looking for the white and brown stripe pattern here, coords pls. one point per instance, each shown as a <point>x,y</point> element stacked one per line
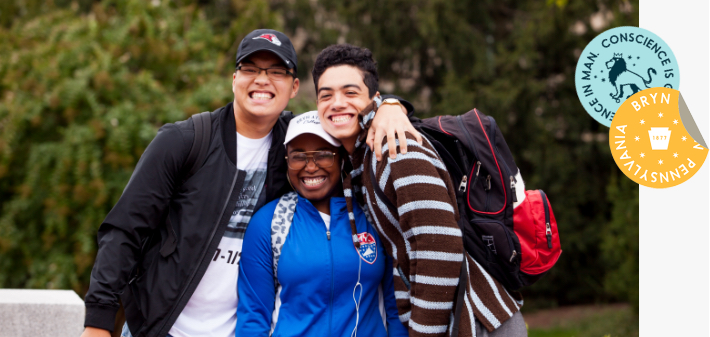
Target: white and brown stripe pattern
<point>425,241</point>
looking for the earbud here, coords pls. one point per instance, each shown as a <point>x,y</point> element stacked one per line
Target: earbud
<point>357,301</point>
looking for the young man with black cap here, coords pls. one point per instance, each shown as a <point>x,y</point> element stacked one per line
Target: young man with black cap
<point>191,288</point>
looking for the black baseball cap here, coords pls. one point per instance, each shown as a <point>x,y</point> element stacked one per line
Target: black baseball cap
<point>269,40</point>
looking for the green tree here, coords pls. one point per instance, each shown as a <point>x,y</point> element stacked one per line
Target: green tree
<point>81,97</point>
<point>620,245</point>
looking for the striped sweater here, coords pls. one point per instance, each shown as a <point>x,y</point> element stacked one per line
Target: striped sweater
<point>423,237</point>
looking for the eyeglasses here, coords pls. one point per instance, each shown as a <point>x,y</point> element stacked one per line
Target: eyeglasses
<point>276,74</point>
<point>298,160</point>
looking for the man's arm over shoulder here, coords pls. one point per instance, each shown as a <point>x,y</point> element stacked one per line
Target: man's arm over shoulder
<point>388,121</point>
<point>140,210</point>
<point>419,186</point>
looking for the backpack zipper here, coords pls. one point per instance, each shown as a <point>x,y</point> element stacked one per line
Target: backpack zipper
<point>488,192</point>
<point>462,186</point>
<point>478,170</point>
<point>464,180</point>
<point>512,256</point>
<point>548,228</point>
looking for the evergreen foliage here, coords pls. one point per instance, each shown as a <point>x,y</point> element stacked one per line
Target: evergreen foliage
<point>85,85</point>
<point>82,96</point>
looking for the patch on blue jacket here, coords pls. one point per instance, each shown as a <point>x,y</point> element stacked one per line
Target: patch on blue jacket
<point>368,247</point>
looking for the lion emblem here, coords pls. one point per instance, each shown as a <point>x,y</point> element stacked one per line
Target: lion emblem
<point>620,76</point>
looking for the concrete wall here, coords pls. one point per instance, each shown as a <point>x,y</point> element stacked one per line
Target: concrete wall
<point>29,312</point>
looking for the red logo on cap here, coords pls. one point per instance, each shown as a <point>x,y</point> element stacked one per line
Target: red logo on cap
<point>269,37</point>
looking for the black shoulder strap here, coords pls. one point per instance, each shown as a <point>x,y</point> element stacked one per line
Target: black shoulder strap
<point>286,115</point>
<point>378,190</point>
<point>460,294</point>
<point>198,153</point>
<point>200,144</point>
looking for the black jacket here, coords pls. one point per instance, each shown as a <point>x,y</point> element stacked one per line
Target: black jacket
<point>154,289</point>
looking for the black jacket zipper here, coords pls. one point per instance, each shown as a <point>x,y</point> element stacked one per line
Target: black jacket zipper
<point>202,255</point>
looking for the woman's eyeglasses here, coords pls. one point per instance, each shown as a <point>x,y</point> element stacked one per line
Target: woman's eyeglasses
<point>299,160</point>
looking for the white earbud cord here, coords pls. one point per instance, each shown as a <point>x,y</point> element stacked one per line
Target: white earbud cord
<point>357,302</point>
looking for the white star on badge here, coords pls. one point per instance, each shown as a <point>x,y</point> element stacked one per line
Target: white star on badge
<point>675,155</point>
<point>643,122</point>
<point>637,138</point>
<point>683,138</point>
<point>660,161</point>
<point>675,122</point>
<point>642,155</point>
<point>660,114</point>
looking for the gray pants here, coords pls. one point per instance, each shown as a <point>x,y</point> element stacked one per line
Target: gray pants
<point>514,327</point>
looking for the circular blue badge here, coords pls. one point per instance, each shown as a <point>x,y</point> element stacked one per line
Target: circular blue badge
<point>619,63</point>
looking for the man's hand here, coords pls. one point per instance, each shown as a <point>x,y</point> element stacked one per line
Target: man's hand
<point>389,120</point>
<point>95,332</point>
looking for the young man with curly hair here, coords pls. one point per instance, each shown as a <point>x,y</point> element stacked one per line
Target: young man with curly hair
<point>421,234</point>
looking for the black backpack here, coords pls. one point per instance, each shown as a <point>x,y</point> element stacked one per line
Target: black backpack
<point>484,174</point>
<point>482,168</point>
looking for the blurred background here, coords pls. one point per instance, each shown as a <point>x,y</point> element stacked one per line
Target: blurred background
<point>85,85</point>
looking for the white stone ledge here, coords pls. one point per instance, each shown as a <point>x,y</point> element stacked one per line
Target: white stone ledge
<point>30,312</point>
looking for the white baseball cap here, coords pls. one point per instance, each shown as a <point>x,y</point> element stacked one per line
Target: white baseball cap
<point>308,122</point>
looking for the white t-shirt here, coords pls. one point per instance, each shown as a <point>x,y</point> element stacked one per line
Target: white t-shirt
<point>212,309</point>
<point>326,219</point>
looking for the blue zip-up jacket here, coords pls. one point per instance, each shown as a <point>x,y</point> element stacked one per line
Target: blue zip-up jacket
<point>317,277</point>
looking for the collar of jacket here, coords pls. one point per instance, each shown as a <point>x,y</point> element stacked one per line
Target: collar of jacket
<point>337,205</point>
<point>229,132</point>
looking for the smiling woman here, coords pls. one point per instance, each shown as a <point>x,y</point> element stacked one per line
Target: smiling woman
<point>312,171</point>
<point>321,285</point>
